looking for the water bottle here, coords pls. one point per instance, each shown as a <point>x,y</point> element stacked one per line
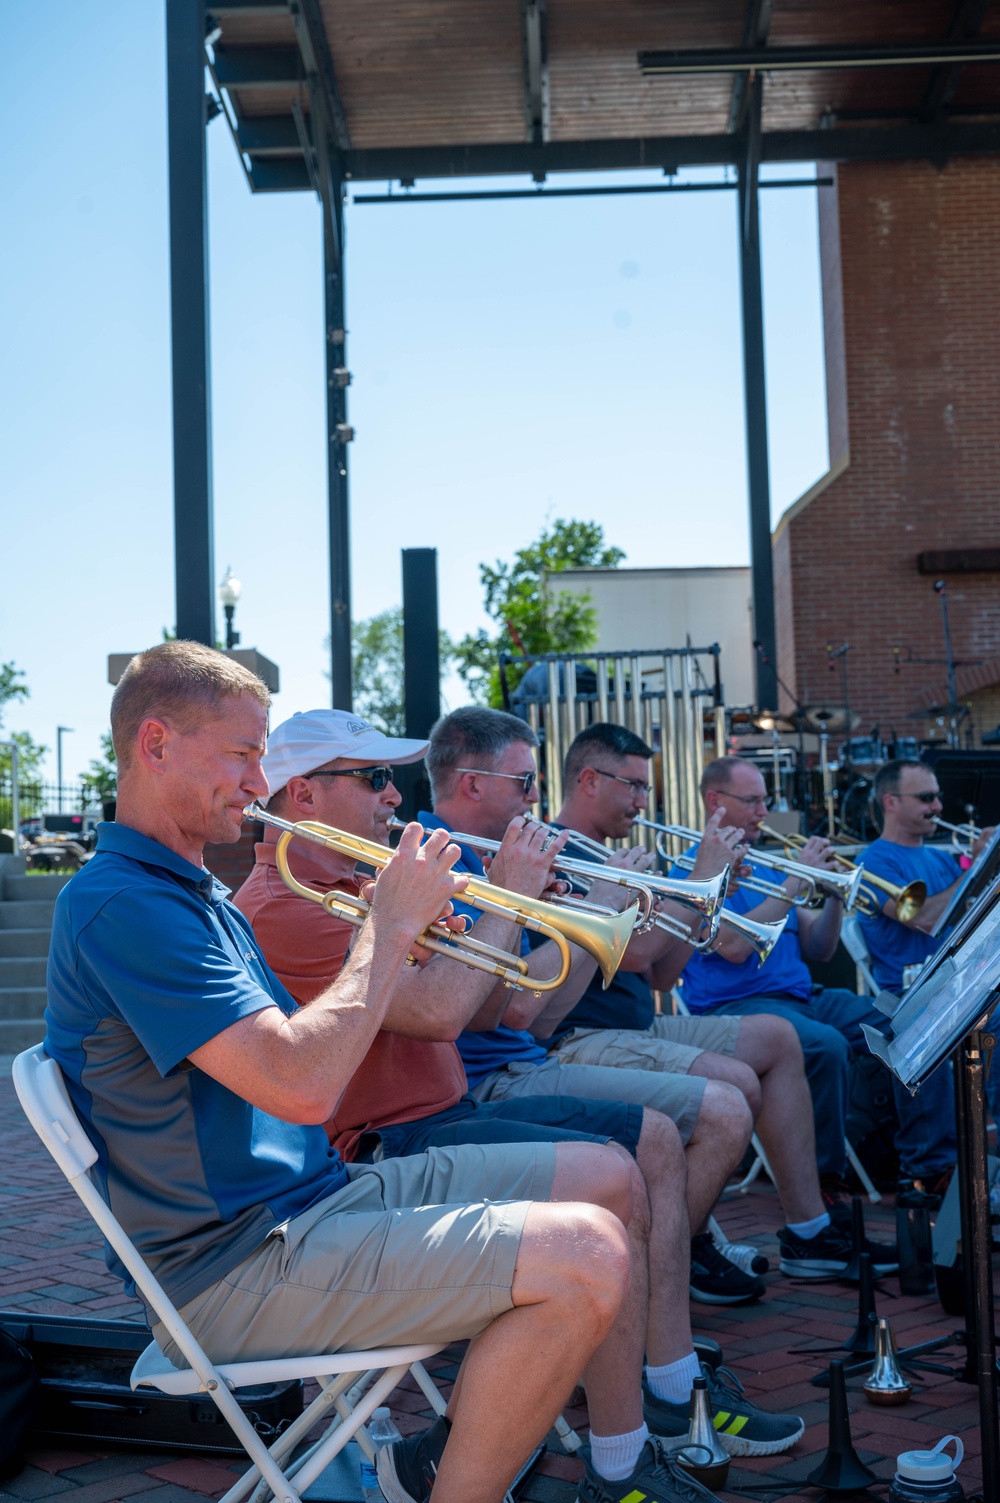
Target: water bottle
<point>750,1259</point>
<point>381,1432</point>
<point>913,1234</point>
<point>928,1476</point>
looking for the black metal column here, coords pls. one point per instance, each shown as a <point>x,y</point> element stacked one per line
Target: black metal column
<point>338,437</point>
<point>755,405</point>
<point>421,669</point>
<point>187,119</point>
<point>976,1245</point>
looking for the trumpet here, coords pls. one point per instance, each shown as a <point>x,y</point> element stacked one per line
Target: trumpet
<point>963,837</point>
<point>762,937</point>
<point>908,900</point>
<point>605,938</point>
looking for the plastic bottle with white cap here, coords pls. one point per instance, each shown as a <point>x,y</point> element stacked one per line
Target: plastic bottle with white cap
<point>928,1476</point>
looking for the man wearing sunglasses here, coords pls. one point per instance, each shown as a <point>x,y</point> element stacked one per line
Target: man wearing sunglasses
<point>910,800</point>
<point>827,1019</point>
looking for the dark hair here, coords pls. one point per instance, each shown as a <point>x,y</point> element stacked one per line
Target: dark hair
<point>182,683</point>
<point>890,776</point>
<point>719,774</point>
<point>467,736</point>
<point>602,740</point>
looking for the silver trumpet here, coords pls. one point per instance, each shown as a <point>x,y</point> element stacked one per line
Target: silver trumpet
<point>762,937</point>
<point>704,897</point>
<point>819,883</point>
<point>885,1383</point>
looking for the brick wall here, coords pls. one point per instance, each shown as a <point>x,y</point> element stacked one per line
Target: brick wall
<point>232,864</point>
<point>911,287</point>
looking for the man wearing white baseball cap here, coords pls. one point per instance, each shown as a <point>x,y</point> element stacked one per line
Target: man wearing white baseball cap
<point>313,738</point>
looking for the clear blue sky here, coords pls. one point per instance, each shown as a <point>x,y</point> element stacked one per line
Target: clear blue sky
<point>513,363</point>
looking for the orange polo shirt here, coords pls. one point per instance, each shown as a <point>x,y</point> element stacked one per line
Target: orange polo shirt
<point>400,1079</point>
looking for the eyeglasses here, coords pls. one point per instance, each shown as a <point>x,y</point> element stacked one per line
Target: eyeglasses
<point>378,777</point>
<point>636,784</point>
<point>750,799</point>
<point>931,796</point>
<point>526,779</point>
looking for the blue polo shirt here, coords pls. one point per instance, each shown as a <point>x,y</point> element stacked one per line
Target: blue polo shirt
<point>709,980</point>
<point>893,945</point>
<point>628,1001</point>
<point>482,1053</point>
<point>148,961</point>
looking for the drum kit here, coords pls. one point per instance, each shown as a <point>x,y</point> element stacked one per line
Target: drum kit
<point>834,788</point>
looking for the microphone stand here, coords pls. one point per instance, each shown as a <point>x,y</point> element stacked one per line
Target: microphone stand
<point>801,789</point>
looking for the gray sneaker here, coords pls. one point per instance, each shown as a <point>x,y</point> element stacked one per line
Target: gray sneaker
<point>656,1479</point>
<point>742,1428</point>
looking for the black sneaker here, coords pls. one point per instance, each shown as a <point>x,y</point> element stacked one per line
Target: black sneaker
<point>407,1468</point>
<point>716,1281</point>
<point>884,1255</point>
<point>656,1479</point>
<point>821,1257</point>
<point>742,1428</point>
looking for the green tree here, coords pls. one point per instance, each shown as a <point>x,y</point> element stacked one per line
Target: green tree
<point>29,751</point>
<point>377,669</point>
<point>101,777</point>
<point>530,614</point>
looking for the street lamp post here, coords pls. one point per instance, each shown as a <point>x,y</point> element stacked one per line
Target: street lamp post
<point>61,731</point>
<point>230,591</point>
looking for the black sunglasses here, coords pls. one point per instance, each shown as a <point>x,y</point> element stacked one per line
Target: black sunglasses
<point>378,777</point>
<point>928,797</point>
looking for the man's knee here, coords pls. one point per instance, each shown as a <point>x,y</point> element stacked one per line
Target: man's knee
<point>766,1040</point>
<point>599,1174</point>
<point>576,1255</point>
<point>660,1153</point>
<point>724,1119</point>
<point>732,1072</point>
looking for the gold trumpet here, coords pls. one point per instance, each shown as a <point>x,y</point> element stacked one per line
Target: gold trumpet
<point>908,900</point>
<point>605,938</point>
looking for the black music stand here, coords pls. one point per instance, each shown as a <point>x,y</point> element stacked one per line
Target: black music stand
<point>945,1012</point>
<point>983,871</point>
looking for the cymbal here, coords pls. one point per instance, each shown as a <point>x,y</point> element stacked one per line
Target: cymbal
<point>832,718</point>
<point>765,720</point>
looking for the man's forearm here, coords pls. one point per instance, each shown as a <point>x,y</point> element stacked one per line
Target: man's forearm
<point>436,1001</point>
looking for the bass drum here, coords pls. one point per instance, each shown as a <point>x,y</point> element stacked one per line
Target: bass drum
<point>857,816</point>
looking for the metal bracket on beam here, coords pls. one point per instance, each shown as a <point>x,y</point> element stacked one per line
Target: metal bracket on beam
<point>535,53</point>
<point>799,59</point>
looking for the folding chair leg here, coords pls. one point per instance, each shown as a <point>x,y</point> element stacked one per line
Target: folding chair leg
<point>862,1173</point>
<point>289,1439</point>
<point>428,1387</point>
<point>759,1163</point>
<point>568,1437</point>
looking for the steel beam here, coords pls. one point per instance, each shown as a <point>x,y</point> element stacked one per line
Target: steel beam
<point>187,118</point>
<point>338,436</point>
<point>756,23</point>
<point>755,408</point>
<point>222,8</point>
<point>535,55</point>
<point>966,21</point>
<point>310,33</point>
<point>268,135</point>
<point>421,641</point>
<point>280,174</point>
<point>798,59</point>
<point>258,67</point>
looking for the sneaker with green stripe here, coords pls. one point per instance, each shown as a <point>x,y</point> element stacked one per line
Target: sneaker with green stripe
<point>656,1479</point>
<point>743,1429</point>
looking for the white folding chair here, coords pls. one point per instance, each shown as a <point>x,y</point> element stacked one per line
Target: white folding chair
<point>42,1093</point>
<point>856,946</point>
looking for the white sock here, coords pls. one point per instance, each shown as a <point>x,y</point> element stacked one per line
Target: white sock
<point>614,1456</point>
<point>807,1230</point>
<point>673,1381</point>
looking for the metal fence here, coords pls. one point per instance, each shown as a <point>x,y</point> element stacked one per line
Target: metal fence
<point>37,797</point>
<point>670,696</point>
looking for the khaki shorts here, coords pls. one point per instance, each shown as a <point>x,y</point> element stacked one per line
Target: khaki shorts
<point>679,1097</point>
<point>670,1044</point>
<point>417,1249</point>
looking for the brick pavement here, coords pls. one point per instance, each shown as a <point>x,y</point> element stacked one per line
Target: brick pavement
<point>51,1263</point>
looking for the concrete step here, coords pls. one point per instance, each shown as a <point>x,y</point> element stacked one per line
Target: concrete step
<point>34,886</point>
<point>22,971</point>
<point>22,1001</point>
<point>17,944</point>
<point>22,915</point>
<point>20,1033</point>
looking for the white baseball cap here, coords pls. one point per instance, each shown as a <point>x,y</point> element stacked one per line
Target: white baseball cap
<point>314,737</point>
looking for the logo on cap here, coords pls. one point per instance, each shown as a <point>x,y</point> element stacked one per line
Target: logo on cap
<point>358,727</point>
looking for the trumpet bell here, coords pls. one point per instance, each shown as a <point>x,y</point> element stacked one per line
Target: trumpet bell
<point>605,937</point>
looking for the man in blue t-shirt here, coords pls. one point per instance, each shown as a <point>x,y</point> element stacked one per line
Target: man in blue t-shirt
<point>203,1087</point>
<point>910,800</point>
<point>827,1020</point>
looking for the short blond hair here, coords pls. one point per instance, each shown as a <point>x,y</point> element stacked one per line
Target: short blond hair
<point>182,683</point>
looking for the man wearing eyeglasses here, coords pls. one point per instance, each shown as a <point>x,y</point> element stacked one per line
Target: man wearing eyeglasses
<point>910,799</point>
<point>827,1019</point>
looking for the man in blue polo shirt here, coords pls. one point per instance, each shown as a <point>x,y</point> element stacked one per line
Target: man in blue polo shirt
<point>827,1020</point>
<point>202,1086</point>
<point>910,800</point>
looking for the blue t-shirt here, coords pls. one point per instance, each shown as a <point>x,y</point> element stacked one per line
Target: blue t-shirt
<point>628,1001</point>
<point>893,945</point>
<point>482,1053</point>
<point>709,980</point>
<point>148,961</point>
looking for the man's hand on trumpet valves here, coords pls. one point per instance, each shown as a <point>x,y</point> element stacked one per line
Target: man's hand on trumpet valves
<point>524,862</point>
<point>981,841</point>
<point>415,888</point>
<point>720,846</point>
